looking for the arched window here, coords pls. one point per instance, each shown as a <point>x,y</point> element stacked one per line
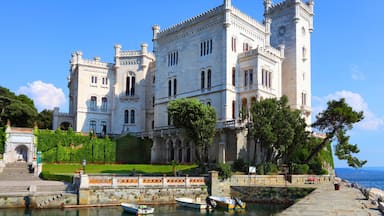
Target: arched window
<point>234,76</point>
<point>92,125</point>
<point>174,87</point>
<point>209,82</point>
<point>127,85</point>
<point>169,88</point>
<point>104,104</point>
<point>103,127</point>
<point>133,86</point>
<point>93,104</point>
<point>132,116</point>
<point>233,109</point>
<point>126,116</point>
<point>202,79</point>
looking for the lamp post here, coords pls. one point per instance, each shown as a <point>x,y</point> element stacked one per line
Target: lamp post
<point>84,163</point>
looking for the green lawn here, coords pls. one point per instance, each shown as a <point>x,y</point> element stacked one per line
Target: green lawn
<point>116,168</point>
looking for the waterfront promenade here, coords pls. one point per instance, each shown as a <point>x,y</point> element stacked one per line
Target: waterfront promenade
<point>326,201</point>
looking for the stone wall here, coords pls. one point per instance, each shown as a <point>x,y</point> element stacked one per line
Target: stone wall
<point>47,200</point>
<point>155,195</point>
<point>223,187</point>
<point>101,189</point>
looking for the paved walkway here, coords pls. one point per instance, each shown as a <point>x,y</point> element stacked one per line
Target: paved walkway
<point>327,201</point>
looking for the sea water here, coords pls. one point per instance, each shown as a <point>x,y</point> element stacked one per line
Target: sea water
<point>364,177</point>
<point>174,210</point>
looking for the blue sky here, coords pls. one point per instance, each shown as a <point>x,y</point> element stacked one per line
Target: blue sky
<point>38,37</point>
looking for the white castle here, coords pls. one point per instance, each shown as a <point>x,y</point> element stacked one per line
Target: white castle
<point>223,57</point>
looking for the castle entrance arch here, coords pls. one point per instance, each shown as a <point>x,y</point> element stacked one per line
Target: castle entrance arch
<point>20,145</point>
<point>21,153</point>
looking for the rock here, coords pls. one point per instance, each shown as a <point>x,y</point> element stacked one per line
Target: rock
<point>375,194</point>
<point>381,206</point>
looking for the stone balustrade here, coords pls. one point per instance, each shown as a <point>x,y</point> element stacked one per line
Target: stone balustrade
<point>98,181</point>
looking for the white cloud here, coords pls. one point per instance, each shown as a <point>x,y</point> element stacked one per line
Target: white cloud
<point>44,95</point>
<point>357,74</point>
<point>357,102</point>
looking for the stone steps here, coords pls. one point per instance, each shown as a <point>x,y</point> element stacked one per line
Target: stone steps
<point>17,171</point>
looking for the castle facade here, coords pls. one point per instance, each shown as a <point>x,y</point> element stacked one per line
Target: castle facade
<point>223,57</point>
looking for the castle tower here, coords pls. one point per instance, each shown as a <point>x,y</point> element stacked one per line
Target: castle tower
<point>292,25</point>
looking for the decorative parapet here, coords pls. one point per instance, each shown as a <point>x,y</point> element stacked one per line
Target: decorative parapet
<point>307,6</point>
<point>88,181</point>
<point>135,53</point>
<point>270,52</point>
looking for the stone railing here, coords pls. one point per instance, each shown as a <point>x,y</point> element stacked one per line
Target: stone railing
<point>271,180</point>
<point>97,181</point>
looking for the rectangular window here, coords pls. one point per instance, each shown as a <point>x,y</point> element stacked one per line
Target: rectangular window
<point>173,58</point>
<point>303,98</point>
<point>250,77</point>
<point>206,47</point>
<point>169,88</point>
<point>233,44</point>
<point>266,78</point>
<point>245,78</point>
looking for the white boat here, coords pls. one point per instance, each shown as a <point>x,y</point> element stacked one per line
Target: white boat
<point>228,203</point>
<point>191,203</point>
<point>137,209</point>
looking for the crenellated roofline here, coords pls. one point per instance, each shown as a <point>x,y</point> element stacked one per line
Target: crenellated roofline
<point>195,19</point>
<point>307,6</point>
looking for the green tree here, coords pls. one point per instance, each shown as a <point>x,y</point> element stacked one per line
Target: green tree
<point>198,121</point>
<point>44,119</point>
<point>278,129</point>
<point>334,122</point>
<point>20,110</point>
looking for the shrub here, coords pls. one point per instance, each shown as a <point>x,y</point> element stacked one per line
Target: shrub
<point>300,169</point>
<point>271,168</point>
<point>239,165</point>
<point>56,177</point>
<point>224,171</point>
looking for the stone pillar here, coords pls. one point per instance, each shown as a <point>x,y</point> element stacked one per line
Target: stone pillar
<point>221,155</point>
<point>187,181</point>
<point>39,169</point>
<point>84,181</point>
<point>114,182</point>
<point>214,178</point>
<point>83,197</point>
<point>164,181</point>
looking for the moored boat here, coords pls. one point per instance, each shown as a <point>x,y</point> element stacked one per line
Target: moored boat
<point>228,203</point>
<point>137,209</point>
<point>191,203</point>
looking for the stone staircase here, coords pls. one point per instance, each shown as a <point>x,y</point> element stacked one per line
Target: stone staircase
<point>17,171</point>
<point>16,178</point>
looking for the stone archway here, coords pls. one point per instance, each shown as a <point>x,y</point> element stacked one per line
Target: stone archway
<point>21,153</point>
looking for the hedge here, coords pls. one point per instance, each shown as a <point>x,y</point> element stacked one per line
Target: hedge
<point>56,177</point>
<point>67,146</point>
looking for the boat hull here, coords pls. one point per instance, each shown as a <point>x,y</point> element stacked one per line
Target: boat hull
<point>228,203</point>
<point>137,209</point>
<point>191,203</point>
